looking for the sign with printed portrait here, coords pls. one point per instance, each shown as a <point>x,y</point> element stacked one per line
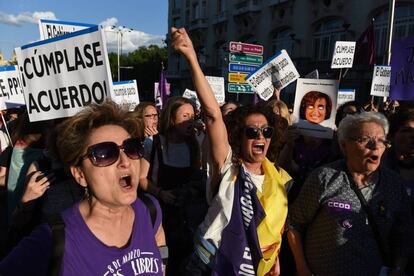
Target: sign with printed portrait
<point>315,107</point>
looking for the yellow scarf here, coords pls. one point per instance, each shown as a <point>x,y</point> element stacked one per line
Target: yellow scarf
<point>274,202</point>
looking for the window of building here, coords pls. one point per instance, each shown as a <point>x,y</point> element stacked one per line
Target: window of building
<point>403,26</point>
<point>325,36</point>
<point>177,4</point>
<point>282,40</point>
<point>177,22</point>
<point>221,6</point>
<point>196,10</point>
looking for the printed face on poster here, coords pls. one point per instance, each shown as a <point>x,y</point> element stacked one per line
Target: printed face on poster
<point>11,91</point>
<point>125,93</point>
<point>61,75</point>
<point>315,107</point>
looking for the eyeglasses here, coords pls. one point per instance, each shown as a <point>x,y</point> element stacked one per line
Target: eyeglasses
<point>367,141</point>
<point>107,153</point>
<point>254,132</point>
<point>154,115</point>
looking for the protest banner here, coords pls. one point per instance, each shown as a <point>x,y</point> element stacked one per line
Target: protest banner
<point>381,81</point>
<point>192,95</point>
<point>125,93</point>
<point>344,96</point>
<point>402,69</point>
<point>61,75</point>
<point>217,85</point>
<point>11,91</point>
<point>279,71</point>
<point>343,56</point>
<point>53,28</point>
<point>315,107</point>
<point>157,95</point>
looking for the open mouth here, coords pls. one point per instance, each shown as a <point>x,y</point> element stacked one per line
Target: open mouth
<point>258,148</point>
<point>125,181</point>
<point>373,158</point>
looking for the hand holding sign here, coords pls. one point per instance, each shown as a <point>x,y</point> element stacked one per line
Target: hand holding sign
<point>181,42</point>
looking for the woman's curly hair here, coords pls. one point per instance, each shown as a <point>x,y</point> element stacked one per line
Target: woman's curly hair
<point>236,122</point>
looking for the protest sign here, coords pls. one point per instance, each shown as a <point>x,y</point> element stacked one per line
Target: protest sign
<point>53,28</point>
<point>315,107</point>
<point>279,71</point>
<point>345,95</point>
<point>11,91</point>
<point>217,85</point>
<point>381,81</point>
<point>192,95</point>
<point>343,56</point>
<point>125,93</point>
<point>61,75</point>
<point>402,69</point>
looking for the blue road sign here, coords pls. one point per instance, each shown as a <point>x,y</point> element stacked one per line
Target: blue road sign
<point>242,68</point>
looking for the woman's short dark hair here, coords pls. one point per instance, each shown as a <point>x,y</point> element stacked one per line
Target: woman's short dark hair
<point>236,122</point>
<point>399,118</point>
<point>310,98</point>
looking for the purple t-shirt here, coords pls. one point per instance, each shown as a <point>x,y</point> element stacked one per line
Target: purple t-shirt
<point>86,255</point>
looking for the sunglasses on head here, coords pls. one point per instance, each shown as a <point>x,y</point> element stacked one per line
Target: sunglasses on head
<point>107,153</point>
<point>254,132</point>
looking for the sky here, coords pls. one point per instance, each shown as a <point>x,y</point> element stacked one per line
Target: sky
<point>147,19</point>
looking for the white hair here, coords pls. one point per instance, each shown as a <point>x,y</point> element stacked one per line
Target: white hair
<point>350,123</point>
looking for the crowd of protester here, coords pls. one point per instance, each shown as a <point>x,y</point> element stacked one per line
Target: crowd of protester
<point>230,190</point>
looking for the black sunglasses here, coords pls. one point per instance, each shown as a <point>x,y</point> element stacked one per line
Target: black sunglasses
<point>254,132</point>
<point>107,153</point>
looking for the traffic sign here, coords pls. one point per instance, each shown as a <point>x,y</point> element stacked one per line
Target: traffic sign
<point>239,88</point>
<point>246,48</point>
<point>242,68</point>
<point>236,77</point>
<point>244,58</point>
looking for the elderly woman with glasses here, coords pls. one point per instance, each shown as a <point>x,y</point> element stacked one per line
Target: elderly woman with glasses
<point>110,232</point>
<point>352,216</point>
<point>241,233</point>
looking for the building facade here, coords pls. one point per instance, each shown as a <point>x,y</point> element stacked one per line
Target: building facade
<point>307,29</point>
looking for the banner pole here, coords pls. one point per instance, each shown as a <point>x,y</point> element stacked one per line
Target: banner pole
<point>387,57</point>
<point>340,77</point>
<point>7,130</point>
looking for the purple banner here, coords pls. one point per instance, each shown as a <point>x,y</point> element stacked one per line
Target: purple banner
<point>402,69</point>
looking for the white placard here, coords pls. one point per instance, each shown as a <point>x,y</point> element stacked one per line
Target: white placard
<point>61,75</point>
<point>345,95</point>
<point>11,91</point>
<point>278,71</point>
<point>217,85</point>
<point>53,28</point>
<point>381,81</point>
<point>125,93</point>
<point>313,75</point>
<point>315,107</point>
<point>192,95</point>
<point>343,56</point>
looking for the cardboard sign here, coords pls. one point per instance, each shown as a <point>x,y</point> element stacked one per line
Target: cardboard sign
<point>278,71</point>
<point>61,75</point>
<point>345,95</point>
<point>343,56</point>
<point>125,93</point>
<point>217,85</point>
<point>11,91</point>
<point>315,107</point>
<point>53,28</point>
<point>381,79</point>
<point>192,95</point>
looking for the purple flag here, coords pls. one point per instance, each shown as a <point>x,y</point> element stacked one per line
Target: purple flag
<point>402,69</point>
<point>365,47</point>
<point>163,85</point>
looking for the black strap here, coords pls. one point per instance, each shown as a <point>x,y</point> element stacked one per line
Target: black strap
<point>150,206</point>
<point>156,146</point>
<point>58,244</point>
<point>372,222</point>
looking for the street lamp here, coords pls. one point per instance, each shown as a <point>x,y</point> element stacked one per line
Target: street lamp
<point>120,30</point>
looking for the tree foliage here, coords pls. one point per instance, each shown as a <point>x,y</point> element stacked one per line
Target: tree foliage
<point>146,67</point>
